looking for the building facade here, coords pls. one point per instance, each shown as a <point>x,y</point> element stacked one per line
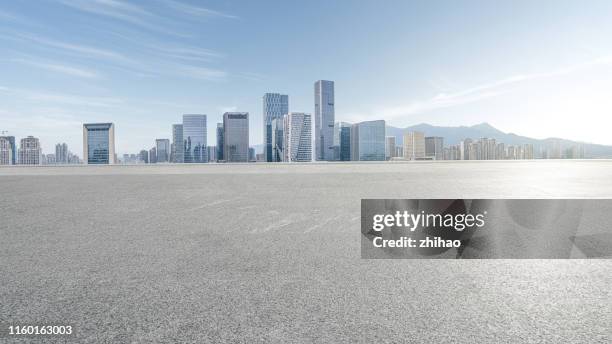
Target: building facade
<point>236,136</point>
<point>345,141</point>
<point>324,120</point>
<point>298,137</point>
<point>414,145</point>
<point>434,147</point>
<point>219,142</point>
<point>194,138</point>
<point>278,139</point>
<point>178,144</point>
<point>6,151</point>
<point>61,153</point>
<point>99,143</point>
<point>162,147</point>
<point>390,147</point>
<point>275,106</point>
<point>368,141</point>
<point>11,140</point>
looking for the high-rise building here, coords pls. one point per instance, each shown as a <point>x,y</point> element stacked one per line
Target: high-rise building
<point>220,141</point>
<point>6,151</point>
<point>465,147</point>
<point>345,141</point>
<point>29,151</point>
<point>368,141</point>
<point>324,120</point>
<point>236,136</point>
<point>194,138</point>
<point>390,147</point>
<point>61,153</point>
<point>298,137</point>
<point>212,153</point>
<point>99,143</point>
<point>434,147</point>
<point>275,105</point>
<point>11,140</point>
<point>252,157</point>
<point>144,156</point>
<point>163,150</point>
<point>278,139</point>
<point>153,155</point>
<point>178,144</point>
<point>414,145</point>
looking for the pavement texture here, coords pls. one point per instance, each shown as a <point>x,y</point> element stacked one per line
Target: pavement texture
<point>271,253</point>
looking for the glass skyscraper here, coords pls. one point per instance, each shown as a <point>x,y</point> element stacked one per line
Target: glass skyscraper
<point>298,137</point>
<point>275,105</point>
<point>236,136</point>
<point>368,141</point>
<point>194,138</point>
<point>345,142</point>
<point>178,145</point>
<point>99,143</point>
<point>324,120</point>
<point>163,150</point>
<point>219,142</point>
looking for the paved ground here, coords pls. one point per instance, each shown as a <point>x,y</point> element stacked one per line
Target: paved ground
<point>259,253</point>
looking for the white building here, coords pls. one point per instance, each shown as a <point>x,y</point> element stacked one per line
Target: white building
<point>414,145</point>
<point>298,137</point>
<point>324,120</point>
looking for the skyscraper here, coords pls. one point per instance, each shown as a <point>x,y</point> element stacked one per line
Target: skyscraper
<point>345,141</point>
<point>29,151</point>
<point>434,147</point>
<point>163,150</point>
<point>278,139</point>
<point>99,143</point>
<point>194,138</point>
<point>6,151</point>
<point>144,156</point>
<point>220,142</point>
<point>298,137</point>
<point>236,136</point>
<point>178,145</point>
<point>275,105</point>
<point>368,141</point>
<point>11,140</point>
<point>61,153</point>
<point>414,145</point>
<point>324,120</point>
<point>153,155</point>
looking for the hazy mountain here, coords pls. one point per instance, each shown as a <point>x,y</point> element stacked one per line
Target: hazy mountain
<point>453,135</point>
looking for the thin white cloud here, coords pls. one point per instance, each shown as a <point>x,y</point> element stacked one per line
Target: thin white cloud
<point>196,10</point>
<point>45,97</point>
<point>122,11</point>
<point>59,68</point>
<point>202,73</point>
<point>483,91</point>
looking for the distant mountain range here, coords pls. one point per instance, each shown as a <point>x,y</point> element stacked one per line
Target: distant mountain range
<point>454,135</point>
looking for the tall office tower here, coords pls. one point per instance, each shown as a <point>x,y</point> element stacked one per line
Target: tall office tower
<point>500,151</point>
<point>236,136</point>
<point>178,144</point>
<point>414,145</point>
<point>389,147</point>
<point>278,139</point>
<point>434,147</point>
<point>252,154</point>
<point>99,143</point>
<point>368,141</point>
<point>298,137</point>
<point>6,151</point>
<point>465,149</point>
<point>212,153</point>
<point>324,120</point>
<point>11,140</point>
<point>275,105</point>
<point>61,153</point>
<point>345,141</point>
<point>194,138</point>
<point>220,141</point>
<point>29,151</point>
<point>162,147</point>
<point>144,156</point>
<point>528,151</point>
<point>152,156</point>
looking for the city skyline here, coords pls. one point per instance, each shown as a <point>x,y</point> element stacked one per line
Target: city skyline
<point>143,65</point>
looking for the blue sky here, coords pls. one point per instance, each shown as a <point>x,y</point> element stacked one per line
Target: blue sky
<point>536,68</point>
